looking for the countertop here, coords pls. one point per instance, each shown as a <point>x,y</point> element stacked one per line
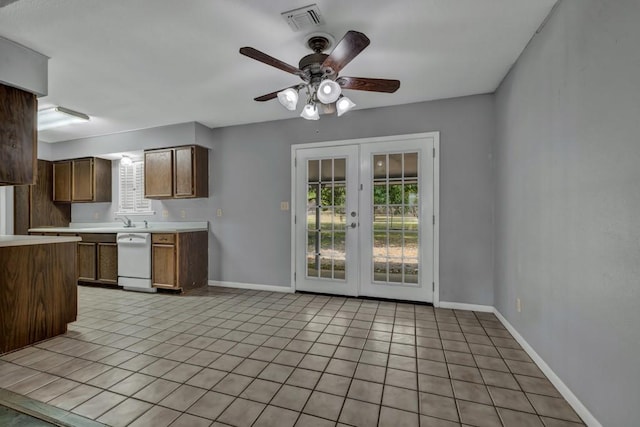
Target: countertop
<point>117,227</point>
<point>6,241</point>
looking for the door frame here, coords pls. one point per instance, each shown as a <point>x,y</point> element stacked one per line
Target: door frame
<point>359,141</point>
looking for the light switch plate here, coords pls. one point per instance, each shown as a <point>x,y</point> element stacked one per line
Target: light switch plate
<point>218,212</point>
<point>284,206</point>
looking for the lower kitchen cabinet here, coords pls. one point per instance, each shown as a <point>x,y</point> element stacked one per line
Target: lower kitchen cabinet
<point>86,261</point>
<point>164,262</point>
<point>107,268</point>
<point>98,259</point>
<point>180,260</point>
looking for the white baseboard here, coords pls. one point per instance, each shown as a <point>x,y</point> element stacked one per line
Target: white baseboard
<point>252,286</point>
<point>465,306</point>
<point>571,398</point>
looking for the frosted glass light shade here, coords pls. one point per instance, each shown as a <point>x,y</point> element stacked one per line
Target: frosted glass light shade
<point>58,116</point>
<point>288,98</point>
<point>343,105</point>
<point>310,112</point>
<point>328,91</point>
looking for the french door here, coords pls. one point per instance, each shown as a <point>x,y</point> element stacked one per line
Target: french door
<point>326,216</point>
<point>364,219</point>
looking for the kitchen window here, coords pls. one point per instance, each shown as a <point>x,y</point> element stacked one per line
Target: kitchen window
<point>132,199</point>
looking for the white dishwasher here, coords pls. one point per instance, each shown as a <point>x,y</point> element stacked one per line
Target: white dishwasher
<point>134,261</point>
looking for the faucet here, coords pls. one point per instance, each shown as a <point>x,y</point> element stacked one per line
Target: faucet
<point>127,221</point>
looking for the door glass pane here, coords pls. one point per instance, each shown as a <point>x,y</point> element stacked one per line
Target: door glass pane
<point>312,266</point>
<point>380,166</point>
<point>396,219</point>
<point>411,271</point>
<point>380,193</point>
<point>326,173</point>
<point>410,191</point>
<point>339,169</point>
<point>379,271</point>
<point>395,166</point>
<point>410,244</point>
<point>410,165</point>
<point>312,241</point>
<point>313,171</point>
<point>326,219</point>
<point>339,195</point>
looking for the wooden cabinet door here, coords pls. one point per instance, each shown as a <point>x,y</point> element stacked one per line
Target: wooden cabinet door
<point>62,181</point>
<point>21,209</point>
<point>158,174</point>
<point>86,261</point>
<point>184,172</point>
<point>82,175</point>
<point>108,262</point>
<point>18,136</point>
<point>164,265</point>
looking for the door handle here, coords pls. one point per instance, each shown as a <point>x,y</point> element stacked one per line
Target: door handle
<point>352,225</point>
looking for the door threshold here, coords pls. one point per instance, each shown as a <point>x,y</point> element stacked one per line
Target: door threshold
<point>366,298</point>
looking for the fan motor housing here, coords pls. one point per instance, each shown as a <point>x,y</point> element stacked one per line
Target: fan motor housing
<point>312,65</point>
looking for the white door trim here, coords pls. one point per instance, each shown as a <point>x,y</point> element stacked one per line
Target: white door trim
<point>436,195</point>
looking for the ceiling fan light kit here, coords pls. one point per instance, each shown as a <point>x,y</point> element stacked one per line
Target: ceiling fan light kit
<point>328,91</point>
<point>310,112</point>
<point>319,72</point>
<point>343,105</point>
<point>288,98</point>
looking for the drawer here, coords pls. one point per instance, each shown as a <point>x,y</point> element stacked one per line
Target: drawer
<point>98,237</point>
<point>163,238</point>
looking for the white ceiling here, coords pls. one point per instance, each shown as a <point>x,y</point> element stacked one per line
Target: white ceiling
<point>133,64</point>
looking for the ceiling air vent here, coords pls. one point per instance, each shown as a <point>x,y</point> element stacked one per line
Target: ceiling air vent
<point>304,18</point>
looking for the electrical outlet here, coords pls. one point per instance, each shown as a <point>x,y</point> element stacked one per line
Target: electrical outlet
<point>218,212</point>
<point>518,305</point>
<point>165,214</point>
<point>183,214</point>
<point>284,206</point>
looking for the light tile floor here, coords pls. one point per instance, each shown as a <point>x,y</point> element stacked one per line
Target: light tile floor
<point>247,358</point>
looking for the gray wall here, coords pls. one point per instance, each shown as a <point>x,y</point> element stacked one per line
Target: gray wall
<point>568,202</point>
<point>250,174</point>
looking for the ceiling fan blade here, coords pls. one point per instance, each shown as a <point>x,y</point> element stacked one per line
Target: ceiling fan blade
<point>270,60</point>
<point>267,97</point>
<point>371,85</point>
<point>273,95</point>
<point>348,48</point>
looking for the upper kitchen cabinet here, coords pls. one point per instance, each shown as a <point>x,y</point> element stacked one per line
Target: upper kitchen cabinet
<point>176,173</point>
<point>33,204</point>
<point>18,136</point>
<point>82,180</point>
<point>158,174</point>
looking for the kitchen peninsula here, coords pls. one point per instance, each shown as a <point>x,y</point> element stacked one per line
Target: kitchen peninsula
<point>38,292</point>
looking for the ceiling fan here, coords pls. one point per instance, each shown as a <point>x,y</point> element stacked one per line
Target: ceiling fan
<point>320,75</point>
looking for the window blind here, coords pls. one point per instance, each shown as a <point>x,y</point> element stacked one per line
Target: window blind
<point>132,189</point>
